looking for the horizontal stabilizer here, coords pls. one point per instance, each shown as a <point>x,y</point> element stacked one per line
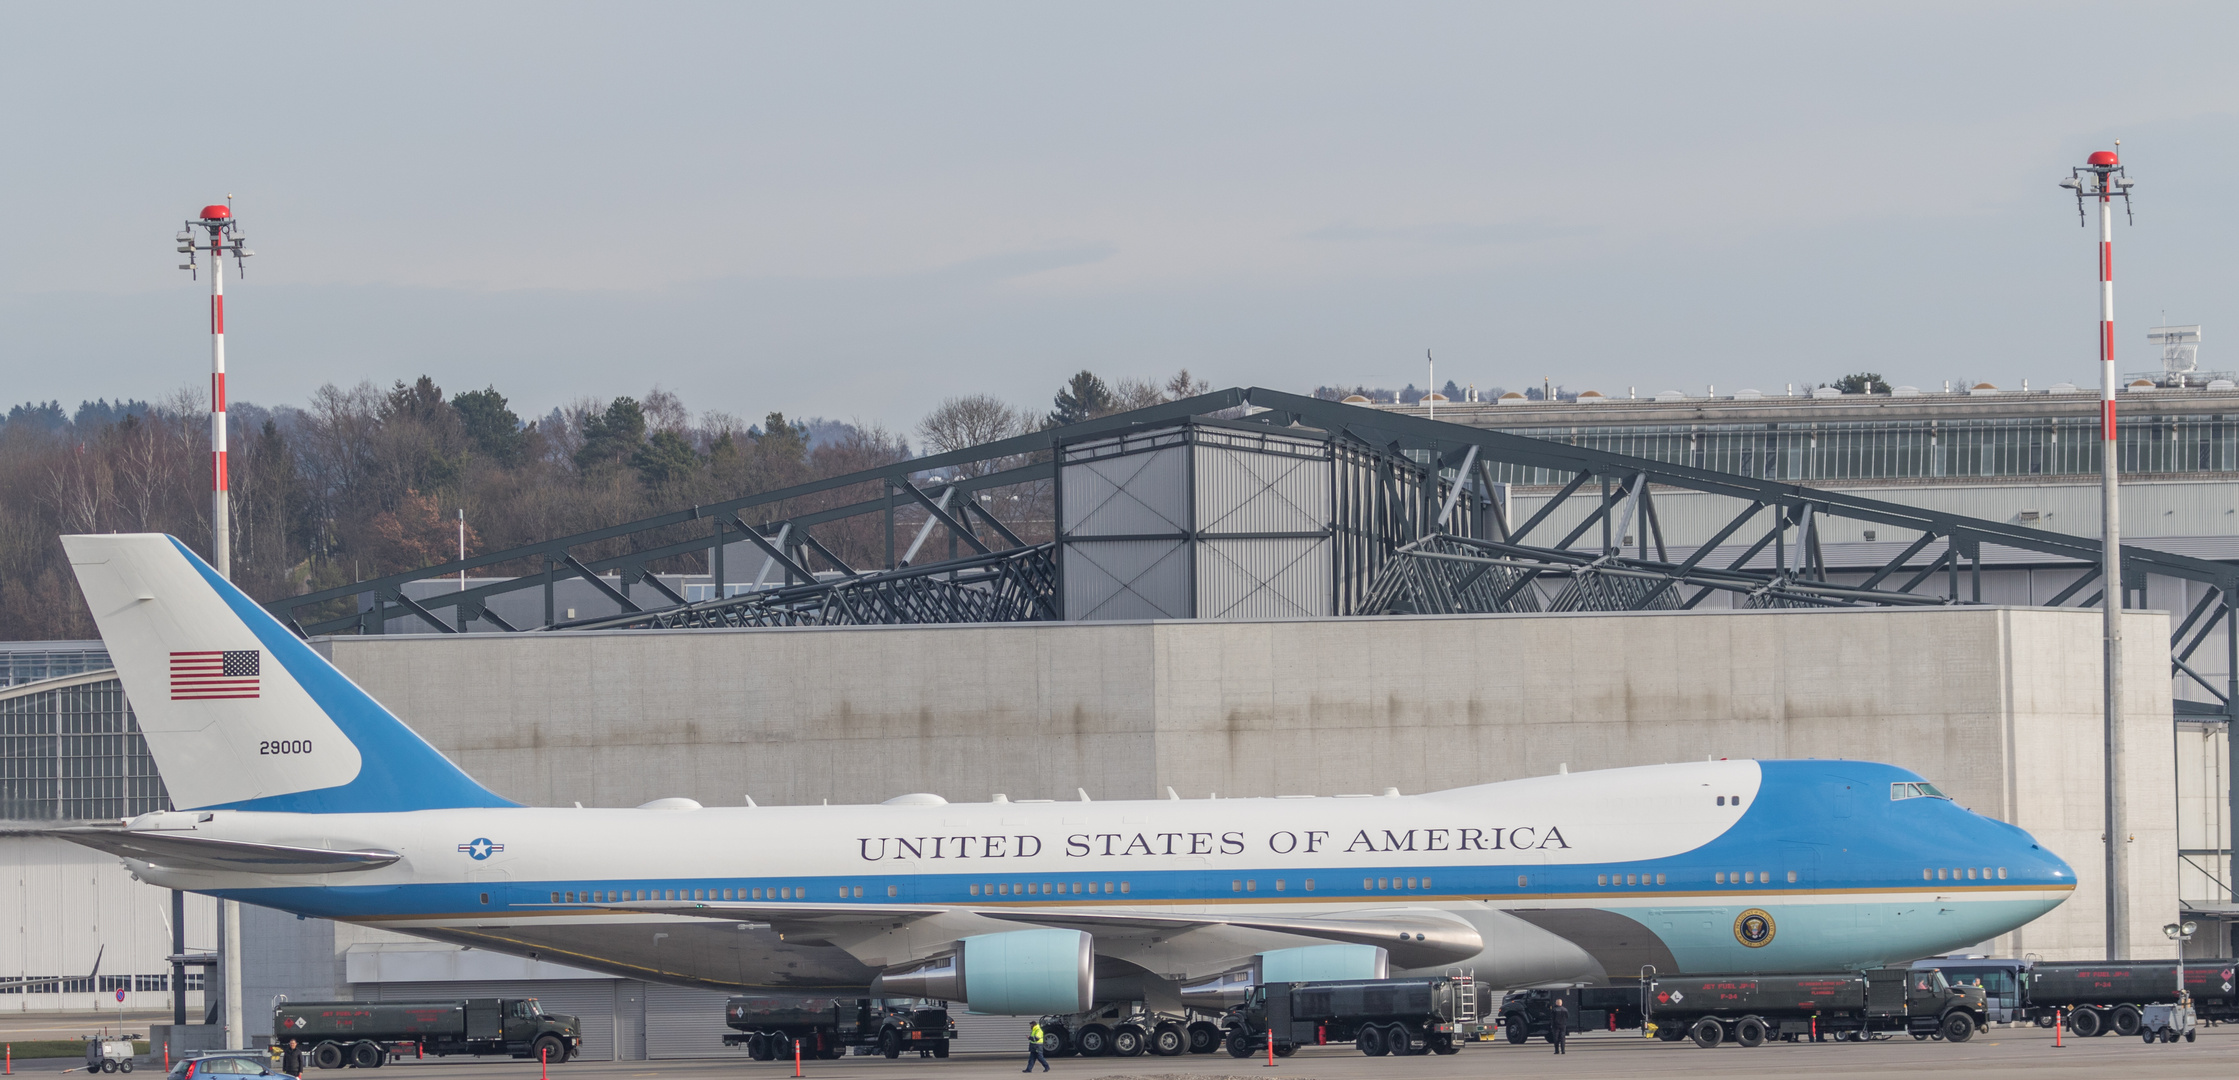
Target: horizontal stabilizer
<point>182,852</point>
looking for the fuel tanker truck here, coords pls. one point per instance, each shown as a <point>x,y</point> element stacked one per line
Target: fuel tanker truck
<point>1750,1009</point>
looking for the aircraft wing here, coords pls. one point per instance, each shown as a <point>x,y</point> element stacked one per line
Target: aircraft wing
<point>53,980</point>
<point>790,919</point>
<point>1415,937</point>
<point>185,852</point>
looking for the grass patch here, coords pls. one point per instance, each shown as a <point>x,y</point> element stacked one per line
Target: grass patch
<point>61,1048</point>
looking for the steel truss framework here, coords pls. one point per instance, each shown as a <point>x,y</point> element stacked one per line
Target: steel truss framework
<point>1429,547</point>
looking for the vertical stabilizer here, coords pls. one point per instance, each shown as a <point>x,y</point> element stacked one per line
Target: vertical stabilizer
<point>239,713</point>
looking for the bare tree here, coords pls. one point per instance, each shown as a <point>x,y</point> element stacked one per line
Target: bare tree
<point>1184,384</point>
<point>664,411</point>
<point>1133,393</point>
<point>973,420</point>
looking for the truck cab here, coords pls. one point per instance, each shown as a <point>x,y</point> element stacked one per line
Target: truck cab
<point>1931,1000</point>
<point>522,1022</point>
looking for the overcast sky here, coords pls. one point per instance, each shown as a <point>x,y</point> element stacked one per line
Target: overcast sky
<point>854,210</point>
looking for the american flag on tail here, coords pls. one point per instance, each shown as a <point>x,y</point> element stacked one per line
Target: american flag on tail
<point>231,673</point>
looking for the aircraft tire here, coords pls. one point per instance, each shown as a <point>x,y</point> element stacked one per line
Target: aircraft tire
<point>1128,1041</point>
<point>1093,1040</point>
<point>1169,1039</point>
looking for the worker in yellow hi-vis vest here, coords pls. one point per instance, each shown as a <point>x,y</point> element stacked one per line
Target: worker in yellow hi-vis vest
<point>1036,1042</point>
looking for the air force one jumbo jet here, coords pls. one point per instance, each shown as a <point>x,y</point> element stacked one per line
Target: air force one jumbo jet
<point>297,791</point>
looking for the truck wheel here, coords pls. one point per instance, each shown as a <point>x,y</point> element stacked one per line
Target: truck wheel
<point>1749,1031</point>
<point>2045,1020</point>
<point>1400,1042</point>
<point>1127,1041</point>
<point>1958,1027</point>
<point>1370,1040</point>
<point>1443,1045</point>
<point>126,1064</point>
<point>1095,1040</point>
<point>327,1056</point>
<point>2087,1023</point>
<point>2191,1035</point>
<point>1519,1031</point>
<point>2125,1020</point>
<point>1284,1049</point>
<point>940,1049</point>
<point>1204,1037</point>
<point>1169,1039</point>
<point>1238,1045</point>
<point>1708,1033</point>
<point>890,1044</point>
<point>548,1049</point>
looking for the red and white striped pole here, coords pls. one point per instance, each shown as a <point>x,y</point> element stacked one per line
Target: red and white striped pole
<point>215,219</point>
<point>218,227</point>
<point>2102,178</point>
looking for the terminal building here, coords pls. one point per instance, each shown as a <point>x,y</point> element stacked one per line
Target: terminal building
<point>1251,595</point>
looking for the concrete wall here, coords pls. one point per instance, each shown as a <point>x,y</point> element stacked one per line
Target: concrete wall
<point>1998,705</point>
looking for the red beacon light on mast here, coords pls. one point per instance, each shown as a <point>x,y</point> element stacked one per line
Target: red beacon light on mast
<point>224,239</point>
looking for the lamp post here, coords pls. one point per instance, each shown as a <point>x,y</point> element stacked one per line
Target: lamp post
<point>216,232</point>
<point>2101,178</point>
<point>2180,933</point>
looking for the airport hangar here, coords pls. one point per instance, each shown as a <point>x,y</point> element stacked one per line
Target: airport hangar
<point>1249,594</point>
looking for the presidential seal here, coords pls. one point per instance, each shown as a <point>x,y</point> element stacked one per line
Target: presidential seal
<point>1754,928</point>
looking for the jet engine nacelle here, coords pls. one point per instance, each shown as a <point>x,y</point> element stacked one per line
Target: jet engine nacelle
<point>1024,972</point>
<point>1309,963</point>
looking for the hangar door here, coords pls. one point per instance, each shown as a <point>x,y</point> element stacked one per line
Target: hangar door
<point>588,1000</point>
<point>681,1022</point>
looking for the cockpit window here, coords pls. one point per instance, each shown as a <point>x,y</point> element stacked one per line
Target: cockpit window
<point>1914,790</point>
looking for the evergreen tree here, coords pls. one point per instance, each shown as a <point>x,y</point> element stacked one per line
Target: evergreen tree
<point>1085,397</point>
<point>612,438</point>
<point>491,425</point>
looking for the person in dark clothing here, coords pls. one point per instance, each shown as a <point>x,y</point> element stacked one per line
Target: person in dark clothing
<point>1037,1048</point>
<point>1558,1026</point>
<point>291,1061</point>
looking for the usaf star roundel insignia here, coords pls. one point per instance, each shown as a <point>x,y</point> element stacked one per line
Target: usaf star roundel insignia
<point>1754,928</point>
<point>480,848</point>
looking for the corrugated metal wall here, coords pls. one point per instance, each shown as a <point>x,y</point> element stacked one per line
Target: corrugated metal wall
<point>1197,522</point>
<point>976,1033</point>
<point>69,903</point>
<point>1127,579</point>
<point>682,1022</point>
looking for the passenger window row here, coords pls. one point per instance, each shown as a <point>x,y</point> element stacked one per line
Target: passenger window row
<point>1961,873</point>
<point>624,896</point>
<point>1373,884</point>
<point>1046,888</point>
<point>1628,879</point>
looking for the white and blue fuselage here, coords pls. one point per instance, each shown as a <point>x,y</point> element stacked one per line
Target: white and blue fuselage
<point>1715,866</point>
